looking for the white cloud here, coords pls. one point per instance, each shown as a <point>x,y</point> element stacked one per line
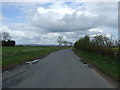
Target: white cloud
<point>96,30</point>
<point>61,18</point>
<point>46,23</point>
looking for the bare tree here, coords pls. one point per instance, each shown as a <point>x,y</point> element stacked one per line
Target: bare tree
<point>65,43</point>
<point>71,44</point>
<point>60,40</point>
<point>4,36</point>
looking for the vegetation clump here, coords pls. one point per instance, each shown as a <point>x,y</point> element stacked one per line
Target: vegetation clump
<point>5,39</point>
<point>100,44</point>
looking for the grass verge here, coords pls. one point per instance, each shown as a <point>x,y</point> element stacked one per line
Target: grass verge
<point>107,65</point>
<point>19,54</point>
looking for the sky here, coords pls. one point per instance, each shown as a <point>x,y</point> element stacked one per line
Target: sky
<point>44,22</point>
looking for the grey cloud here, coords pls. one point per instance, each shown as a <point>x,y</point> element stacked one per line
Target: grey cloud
<point>46,27</point>
<point>73,22</point>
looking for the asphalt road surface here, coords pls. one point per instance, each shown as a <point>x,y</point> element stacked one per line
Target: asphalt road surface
<point>61,69</point>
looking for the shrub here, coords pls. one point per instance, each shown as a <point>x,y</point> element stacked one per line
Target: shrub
<point>100,44</point>
<point>8,43</point>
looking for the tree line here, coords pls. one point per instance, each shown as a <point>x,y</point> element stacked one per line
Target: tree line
<point>5,39</point>
<point>100,44</point>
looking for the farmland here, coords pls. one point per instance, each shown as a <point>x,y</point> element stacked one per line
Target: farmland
<point>15,55</point>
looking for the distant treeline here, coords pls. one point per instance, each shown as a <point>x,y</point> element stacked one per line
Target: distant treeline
<point>5,39</point>
<point>8,43</point>
<point>100,44</point>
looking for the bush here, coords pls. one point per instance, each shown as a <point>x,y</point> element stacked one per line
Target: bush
<point>99,44</point>
<point>8,43</point>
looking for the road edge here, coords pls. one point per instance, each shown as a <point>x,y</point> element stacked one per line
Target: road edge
<point>110,80</point>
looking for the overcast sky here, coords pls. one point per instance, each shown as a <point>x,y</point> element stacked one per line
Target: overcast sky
<point>42,23</point>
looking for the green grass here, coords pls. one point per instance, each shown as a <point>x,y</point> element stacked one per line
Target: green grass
<point>16,55</point>
<point>106,64</point>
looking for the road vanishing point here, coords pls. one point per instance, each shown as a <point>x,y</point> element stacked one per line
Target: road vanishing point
<point>60,69</point>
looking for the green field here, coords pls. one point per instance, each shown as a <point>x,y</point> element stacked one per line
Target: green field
<point>107,65</point>
<point>15,55</point>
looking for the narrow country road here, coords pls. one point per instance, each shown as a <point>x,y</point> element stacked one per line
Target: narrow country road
<point>61,69</point>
